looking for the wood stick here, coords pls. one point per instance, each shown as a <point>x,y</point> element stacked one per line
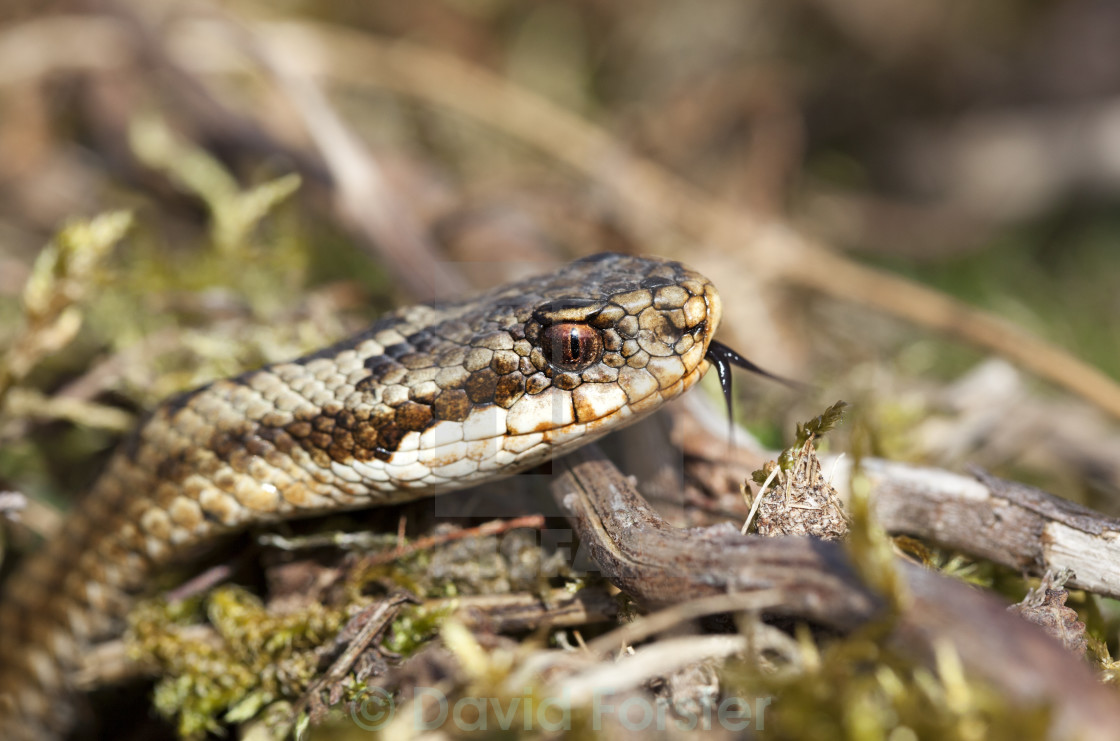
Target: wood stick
<point>661,565</point>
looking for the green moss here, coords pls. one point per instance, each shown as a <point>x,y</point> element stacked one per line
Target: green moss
<point>954,565</point>
<point>64,275</point>
<point>814,429</point>
<point>415,626</point>
<point>259,656</point>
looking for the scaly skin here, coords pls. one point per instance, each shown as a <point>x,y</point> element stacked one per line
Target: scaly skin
<point>428,400</point>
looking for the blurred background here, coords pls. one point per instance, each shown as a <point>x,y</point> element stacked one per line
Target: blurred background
<point>895,198</point>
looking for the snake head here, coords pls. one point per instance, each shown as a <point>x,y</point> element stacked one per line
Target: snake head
<point>603,342</point>
<point>433,398</point>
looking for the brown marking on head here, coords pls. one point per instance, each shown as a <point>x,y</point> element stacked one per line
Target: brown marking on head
<point>414,417</point>
<point>509,389</point>
<point>481,386</point>
<point>452,405</point>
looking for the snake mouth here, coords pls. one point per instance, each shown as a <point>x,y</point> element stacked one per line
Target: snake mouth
<point>723,357</point>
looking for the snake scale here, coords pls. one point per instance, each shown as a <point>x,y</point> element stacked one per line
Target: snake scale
<point>430,399</point>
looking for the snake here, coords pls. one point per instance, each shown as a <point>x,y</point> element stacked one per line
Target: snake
<point>430,399</point>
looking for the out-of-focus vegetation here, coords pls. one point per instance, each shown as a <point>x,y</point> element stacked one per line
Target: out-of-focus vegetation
<point>967,148</point>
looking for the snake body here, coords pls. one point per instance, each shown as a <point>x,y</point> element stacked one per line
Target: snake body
<point>428,400</point>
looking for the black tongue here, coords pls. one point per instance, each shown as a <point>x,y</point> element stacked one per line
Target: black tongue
<point>723,357</point>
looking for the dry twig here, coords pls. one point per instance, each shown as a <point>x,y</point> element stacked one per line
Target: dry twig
<point>658,564</point>
<point>981,515</point>
<point>1001,521</point>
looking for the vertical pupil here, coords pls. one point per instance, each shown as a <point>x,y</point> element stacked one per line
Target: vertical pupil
<point>570,347</point>
<point>573,345</point>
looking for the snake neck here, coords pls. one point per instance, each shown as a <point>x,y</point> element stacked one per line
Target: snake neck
<point>430,399</point>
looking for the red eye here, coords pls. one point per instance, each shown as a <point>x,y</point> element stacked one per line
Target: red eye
<point>571,347</point>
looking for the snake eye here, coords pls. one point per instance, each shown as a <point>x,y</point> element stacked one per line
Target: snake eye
<point>571,347</point>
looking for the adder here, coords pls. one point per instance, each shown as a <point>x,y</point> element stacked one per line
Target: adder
<point>428,400</point>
